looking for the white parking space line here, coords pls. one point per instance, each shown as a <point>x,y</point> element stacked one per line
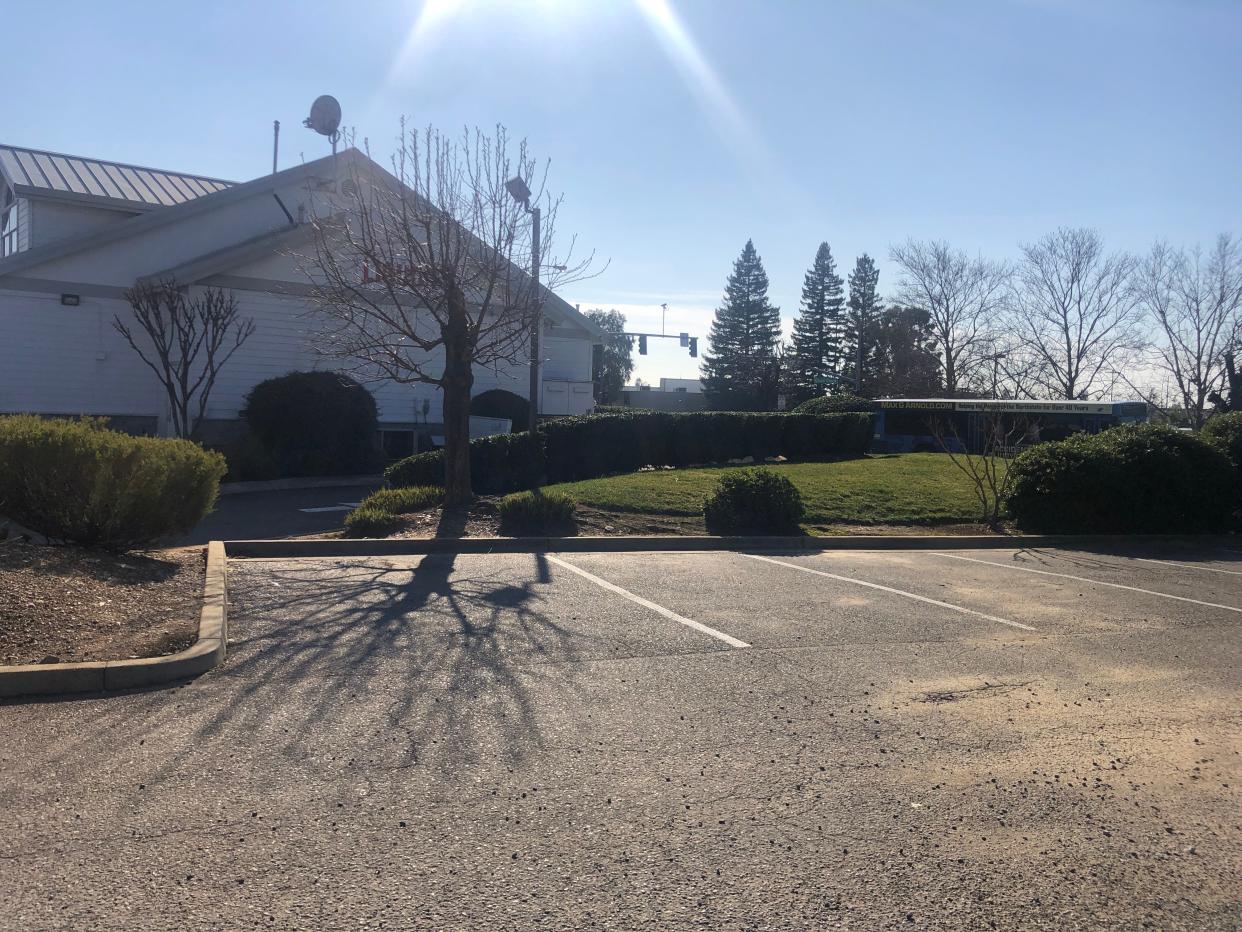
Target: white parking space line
<point>658,609</point>
<point>889,589</point>
<point>1084,579</point>
<point>1190,566</point>
<point>344,506</point>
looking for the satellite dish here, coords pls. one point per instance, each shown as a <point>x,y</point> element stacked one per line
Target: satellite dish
<point>325,116</point>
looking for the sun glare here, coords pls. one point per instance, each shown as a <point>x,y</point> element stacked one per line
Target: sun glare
<point>564,16</point>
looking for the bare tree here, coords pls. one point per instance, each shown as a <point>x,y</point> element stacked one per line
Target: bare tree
<point>422,277</point>
<point>1076,313</point>
<point>964,297</point>
<point>188,341</point>
<point>1195,304</point>
<point>987,470</point>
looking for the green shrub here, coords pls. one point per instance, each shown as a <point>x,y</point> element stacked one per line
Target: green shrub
<point>1224,431</point>
<point>315,424</point>
<point>498,464</point>
<point>572,448</point>
<point>835,404</point>
<point>370,522</point>
<point>78,482</point>
<point>536,512</point>
<point>1132,479</point>
<point>753,501</point>
<point>404,501</point>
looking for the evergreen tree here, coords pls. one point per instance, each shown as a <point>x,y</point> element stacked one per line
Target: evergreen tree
<point>739,370</point>
<point>612,362</point>
<point>860,325</point>
<point>817,329</point>
<point>906,360</point>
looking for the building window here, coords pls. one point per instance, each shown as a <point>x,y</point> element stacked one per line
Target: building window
<point>8,229</point>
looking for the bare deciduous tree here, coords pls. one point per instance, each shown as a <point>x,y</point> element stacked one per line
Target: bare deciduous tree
<point>964,297</point>
<point>1076,313</point>
<point>423,277</point>
<point>189,340</point>
<point>1195,305</point>
<point>987,470</point>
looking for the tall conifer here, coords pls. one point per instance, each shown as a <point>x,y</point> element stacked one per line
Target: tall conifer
<point>738,368</point>
<point>817,329</point>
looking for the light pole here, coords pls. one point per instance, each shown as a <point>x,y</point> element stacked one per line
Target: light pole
<point>521,193</point>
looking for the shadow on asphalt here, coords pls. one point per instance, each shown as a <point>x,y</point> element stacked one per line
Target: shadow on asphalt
<point>440,671</point>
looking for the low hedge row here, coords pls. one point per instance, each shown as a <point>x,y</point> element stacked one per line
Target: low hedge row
<point>575,448</point>
<point>1127,480</point>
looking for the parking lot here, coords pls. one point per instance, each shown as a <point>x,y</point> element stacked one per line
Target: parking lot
<point>959,739</point>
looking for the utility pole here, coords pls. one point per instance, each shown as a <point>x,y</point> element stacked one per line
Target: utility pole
<point>537,325</point>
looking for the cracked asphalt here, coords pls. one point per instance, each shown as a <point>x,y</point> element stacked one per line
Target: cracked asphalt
<point>993,739</point>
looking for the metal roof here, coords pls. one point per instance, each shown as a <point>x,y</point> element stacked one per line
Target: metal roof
<point>70,177</point>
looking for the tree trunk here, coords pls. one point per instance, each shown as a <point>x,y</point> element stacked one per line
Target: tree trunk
<point>457,383</point>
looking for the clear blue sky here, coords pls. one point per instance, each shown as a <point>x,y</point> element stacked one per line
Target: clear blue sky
<point>679,128</point>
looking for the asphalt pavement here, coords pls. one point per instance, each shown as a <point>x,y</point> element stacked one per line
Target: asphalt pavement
<point>973,739</point>
<point>275,514</point>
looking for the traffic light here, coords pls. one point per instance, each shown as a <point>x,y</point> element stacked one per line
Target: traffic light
<point>694,347</point>
<point>642,345</point>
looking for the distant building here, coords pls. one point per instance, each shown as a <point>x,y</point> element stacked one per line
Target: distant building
<point>670,395</point>
<point>692,386</point>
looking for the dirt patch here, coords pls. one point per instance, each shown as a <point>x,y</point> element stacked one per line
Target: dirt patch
<point>69,605</point>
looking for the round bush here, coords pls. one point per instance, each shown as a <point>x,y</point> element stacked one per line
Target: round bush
<point>753,501</point>
<point>75,481</point>
<point>1224,431</point>
<point>1141,479</point>
<point>370,522</point>
<point>834,404</point>
<point>536,512</point>
<point>315,424</point>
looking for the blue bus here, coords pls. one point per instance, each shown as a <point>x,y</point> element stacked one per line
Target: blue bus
<point>912,425</point>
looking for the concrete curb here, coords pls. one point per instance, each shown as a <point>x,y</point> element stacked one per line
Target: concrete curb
<point>47,679</point>
<point>378,547</point>
<point>285,485</point>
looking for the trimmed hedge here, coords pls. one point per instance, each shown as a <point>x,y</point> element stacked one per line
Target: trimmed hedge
<point>536,512</point>
<point>753,501</point>
<point>78,482</point>
<point>568,449</point>
<point>1133,479</point>
<point>314,424</point>
<point>834,404</point>
<point>1224,431</point>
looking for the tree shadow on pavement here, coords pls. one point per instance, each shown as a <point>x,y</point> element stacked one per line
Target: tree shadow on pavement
<point>409,664</point>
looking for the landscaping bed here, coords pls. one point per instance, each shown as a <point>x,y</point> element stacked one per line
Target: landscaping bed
<point>71,605</point>
<point>920,489</point>
<point>919,493</point>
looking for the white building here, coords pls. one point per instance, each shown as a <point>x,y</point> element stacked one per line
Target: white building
<point>75,233</point>
<point>693,386</point>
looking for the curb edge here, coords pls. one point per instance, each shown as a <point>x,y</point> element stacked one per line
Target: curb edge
<point>382,546</point>
<point>205,653</point>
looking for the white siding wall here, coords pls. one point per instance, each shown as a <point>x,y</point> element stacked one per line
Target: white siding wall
<point>566,359</point>
<point>70,360</point>
<point>50,220</point>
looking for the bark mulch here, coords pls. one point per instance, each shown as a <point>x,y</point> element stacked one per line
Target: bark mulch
<point>69,605</point>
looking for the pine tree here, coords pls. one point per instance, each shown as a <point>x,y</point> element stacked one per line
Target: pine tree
<point>738,370</point>
<point>860,324</point>
<point>817,329</point>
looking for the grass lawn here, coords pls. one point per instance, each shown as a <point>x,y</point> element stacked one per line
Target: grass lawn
<point>912,488</point>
